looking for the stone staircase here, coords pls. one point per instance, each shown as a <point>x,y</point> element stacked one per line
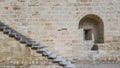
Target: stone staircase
<point>35,46</point>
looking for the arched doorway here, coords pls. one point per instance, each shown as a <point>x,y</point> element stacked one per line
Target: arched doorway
<point>93,28</point>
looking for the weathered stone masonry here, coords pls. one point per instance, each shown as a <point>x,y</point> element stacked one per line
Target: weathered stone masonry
<point>56,24</point>
<point>35,46</point>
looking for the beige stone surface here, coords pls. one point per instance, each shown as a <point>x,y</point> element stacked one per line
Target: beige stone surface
<point>54,23</point>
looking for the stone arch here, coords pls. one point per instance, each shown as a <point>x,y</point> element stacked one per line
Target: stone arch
<point>92,26</point>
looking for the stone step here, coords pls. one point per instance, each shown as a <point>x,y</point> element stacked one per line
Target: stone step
<point>35,46</point>
<point>6,30</point>
<point>12,33</point>
<point>57,59</point>
<point>29,43</point>
<point>41,50</point>
<point>52,56</point>
<point>2,27</point>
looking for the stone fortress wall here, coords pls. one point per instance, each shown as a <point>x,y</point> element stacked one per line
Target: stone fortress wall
<point>56,24</point>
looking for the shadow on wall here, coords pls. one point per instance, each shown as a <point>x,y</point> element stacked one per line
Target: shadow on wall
<point>93,28</point>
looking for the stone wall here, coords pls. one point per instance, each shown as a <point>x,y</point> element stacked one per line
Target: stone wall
<point>54,23</point>
<point>16,55</point>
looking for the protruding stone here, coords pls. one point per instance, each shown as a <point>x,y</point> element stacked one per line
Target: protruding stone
<point>12,33</point>
<point>6,30</point>
<point>42,50</point>
<point>52,56</point>
<point>2,27</point>
<point>30,43</point>
<point>47,53</point>
<point>63,62</point>
<point>57,59</point>
<point>18,36</point>
<point>70,66</point>
<point>23,40</point>
<point>36,46</point>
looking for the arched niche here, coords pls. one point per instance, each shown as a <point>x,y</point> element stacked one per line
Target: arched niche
<point>93,28</point>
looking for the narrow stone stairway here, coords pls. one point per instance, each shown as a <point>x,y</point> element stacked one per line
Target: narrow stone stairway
<point>35,46</point>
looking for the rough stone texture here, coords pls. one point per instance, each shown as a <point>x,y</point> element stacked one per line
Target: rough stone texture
<point>54,23</point>
<point>16,55</point>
